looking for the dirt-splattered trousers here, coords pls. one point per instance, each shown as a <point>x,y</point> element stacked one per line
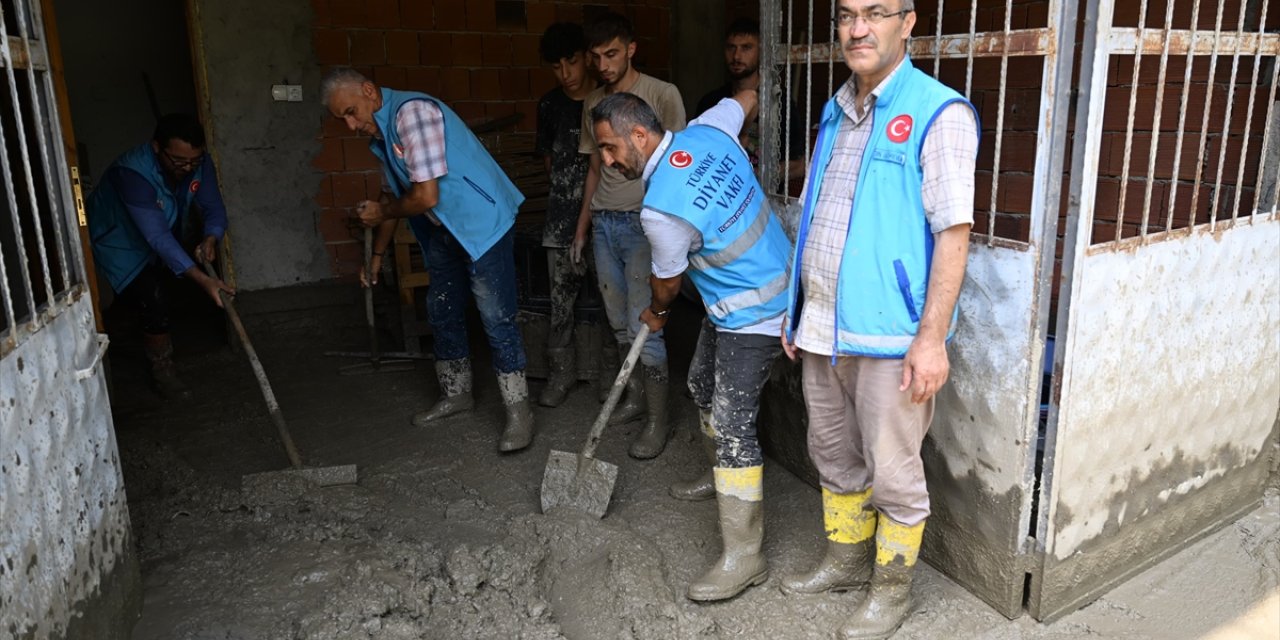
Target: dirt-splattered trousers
<point>726,375</point>
<point>566,282</point>
<point>492,280</point>
<point>623,263</point>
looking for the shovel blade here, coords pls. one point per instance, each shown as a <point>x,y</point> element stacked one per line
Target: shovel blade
<point>585,484</point>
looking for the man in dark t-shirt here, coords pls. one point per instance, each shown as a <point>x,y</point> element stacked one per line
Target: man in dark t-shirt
<point>564,48</point>
<point>742,57</point>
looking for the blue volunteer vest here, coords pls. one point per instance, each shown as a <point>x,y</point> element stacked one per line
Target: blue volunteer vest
<point>705,179</point>
<point>119,249</point>
<point>884,272</point>
<point>477,201</point>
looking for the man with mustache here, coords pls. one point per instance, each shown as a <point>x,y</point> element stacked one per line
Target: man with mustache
<point>879,260</point>
<point>611,213</point>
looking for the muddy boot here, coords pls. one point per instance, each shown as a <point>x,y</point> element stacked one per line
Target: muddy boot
<point>454,377</point>
<point>632,405</point>
<point>704,486</point>
<point>850,521</point>
<point>889,601</point>
<point>608,370</point>
<point>164,375</point>
<point>653,438</point>
<point>515,396</point>
<point>560,381</point>
<point>742,563</point>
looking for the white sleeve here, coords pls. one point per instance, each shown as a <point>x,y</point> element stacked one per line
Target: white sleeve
<point>671,240</point>
<point>726,116</point>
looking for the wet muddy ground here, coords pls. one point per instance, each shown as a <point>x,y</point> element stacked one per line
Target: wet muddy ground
<point>442,536</point>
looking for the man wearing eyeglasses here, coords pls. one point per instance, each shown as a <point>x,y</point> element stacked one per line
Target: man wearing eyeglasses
<point>879,260</point>
<point>135,217</point>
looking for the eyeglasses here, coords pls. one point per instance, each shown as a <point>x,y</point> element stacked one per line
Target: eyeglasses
<point>183,163</point>
<point>873,16</point>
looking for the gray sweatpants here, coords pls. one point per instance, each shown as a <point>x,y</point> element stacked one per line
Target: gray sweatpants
<point>863,432</point>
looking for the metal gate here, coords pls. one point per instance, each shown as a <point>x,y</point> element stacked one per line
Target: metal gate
<point>64,529</point>
<point>1013,457</point>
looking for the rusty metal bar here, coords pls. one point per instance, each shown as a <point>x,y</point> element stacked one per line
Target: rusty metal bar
<point>50,175</point>
<point>831,65</point>
<point>1018,42</point>
<point>1155,124</point>
<point>995,165</point>
<point>937,55</point>
<point>1128,136</point>
<point>1248,120</point>
<point>1182,123</point>
<point>771,121</point>
<point>973,32</point>
<point>1208,102</point>
<point>1194,42</point>
<point>19,57</point>
<point>19,242</point>
<point>26,166</point>
<point>1226,129</point>
<point>1266,143</point>
<point>808,80</point>
<point>786,97</point>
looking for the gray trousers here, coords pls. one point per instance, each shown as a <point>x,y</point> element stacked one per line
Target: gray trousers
<point>864,433</point>
<point>726,375</point>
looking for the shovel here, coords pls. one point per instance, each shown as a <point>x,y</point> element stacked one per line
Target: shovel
<point>580,481</point>
<point>375,362</point>
<point>321,476</point>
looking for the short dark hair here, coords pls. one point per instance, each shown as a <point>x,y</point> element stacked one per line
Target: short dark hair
<point>562,40</point>
<point>182,126</point>
<point>625,110</point>
<point>607,26</point>
<point>743,27</point>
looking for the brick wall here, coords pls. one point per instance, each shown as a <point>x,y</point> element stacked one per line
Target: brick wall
<point>479,56</point>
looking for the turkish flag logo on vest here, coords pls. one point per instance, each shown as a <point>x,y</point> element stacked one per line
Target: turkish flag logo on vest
<point>681,159</point>
<point>899,129</point>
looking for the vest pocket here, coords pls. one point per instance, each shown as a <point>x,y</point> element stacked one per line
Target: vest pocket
<point>480,191</point>
<point>904,286</point>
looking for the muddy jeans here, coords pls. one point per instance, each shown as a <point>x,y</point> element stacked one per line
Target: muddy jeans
<point>566,282</point>
<point>623,264</point>
<point>864,433</point>
<point>727,373</point>
<point>492,280</point>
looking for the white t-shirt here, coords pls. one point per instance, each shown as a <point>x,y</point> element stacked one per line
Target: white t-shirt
<point>673,239</point>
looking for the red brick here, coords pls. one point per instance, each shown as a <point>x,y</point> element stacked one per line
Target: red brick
<point>348,189</point>
<point>451,15</point>
<point>455,84</point>
<point>348,13</point>
<point>494,110</point>
<point>402,47</point>
<point>372,185</point>
<point>530,110</point>
<point>334,225</point>
<point>330,46</point>
<point>424,79</point>
<point>324,193</point>
<point>539,16</point>
<point>320,13</point>
<point>514,83</point>
<point>524,50</point>
<point>368,47</point>
<point>566,12</point>
<point>357,157</point>
<point>480,16</point>
<point>485,84</point>
<point>345,257</point>
<point>645,21</point>
<point>383,13</point>
<point>416,14</point>
<point>466,49</point>
<point>496,50</point>
<point>332,127</point>
<point>330,157</point>
<point>1015,194</point>
<point>470,112</point>
<point>540,82</point>
<point>436,48</point>
<point>389,76</point>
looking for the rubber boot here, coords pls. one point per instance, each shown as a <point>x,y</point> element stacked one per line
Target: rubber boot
<point>739,493</point>
<point>632,405</point>
<point>561,379</point>
<point>164,375</point>
<point>889,601</point>
<point>608,368</point>
<point>515,396</point>
<point>702,487</point>
<point>454,377</point>
<point>850,521</point>
<point>653,438</point>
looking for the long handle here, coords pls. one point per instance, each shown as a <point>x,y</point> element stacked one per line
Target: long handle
<point>615,393</point>
<point>374,356</point>
<point>273,407</point>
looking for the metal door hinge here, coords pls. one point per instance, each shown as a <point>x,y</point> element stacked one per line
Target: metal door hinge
<point>78,195</point>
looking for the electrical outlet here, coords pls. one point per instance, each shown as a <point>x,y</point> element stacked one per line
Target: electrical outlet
<point>279,92</point>
<point>295,92</point>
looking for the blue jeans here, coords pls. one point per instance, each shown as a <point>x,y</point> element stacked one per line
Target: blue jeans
<point>623,264</point>
<point>727,374</point>
<point>492,280</point>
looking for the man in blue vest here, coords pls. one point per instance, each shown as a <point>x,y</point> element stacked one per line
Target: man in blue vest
<point>880,257</point>
<point>135,217</point>
<point>705,214</point>
<point>461,208</point>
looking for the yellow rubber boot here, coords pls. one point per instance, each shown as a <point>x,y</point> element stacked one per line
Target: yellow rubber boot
<point>739,493</point>
<point>889,600</point>
<point>850,521</point>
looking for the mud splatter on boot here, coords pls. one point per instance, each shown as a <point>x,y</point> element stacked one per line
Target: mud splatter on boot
<point>515,396</point>
<point>164,375</point>
<point>454,377</point>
